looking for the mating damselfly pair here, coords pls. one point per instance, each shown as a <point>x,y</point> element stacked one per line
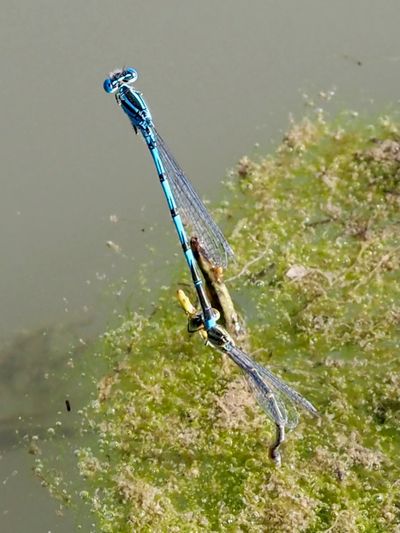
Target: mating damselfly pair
<point>276,398</point>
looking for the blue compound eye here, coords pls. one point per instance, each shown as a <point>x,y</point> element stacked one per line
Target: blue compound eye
<point>108,86</point>
<point>131,74</point>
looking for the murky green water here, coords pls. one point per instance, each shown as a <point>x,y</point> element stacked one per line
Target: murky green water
<point>219,79</point>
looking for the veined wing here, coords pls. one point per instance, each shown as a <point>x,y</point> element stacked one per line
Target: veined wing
<point>194,213</point>
<point>275,397</point>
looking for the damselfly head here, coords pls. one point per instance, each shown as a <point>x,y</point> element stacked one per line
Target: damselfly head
<point>118,78</point>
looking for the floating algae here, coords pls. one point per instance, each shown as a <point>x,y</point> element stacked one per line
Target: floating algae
<point>180,443</point>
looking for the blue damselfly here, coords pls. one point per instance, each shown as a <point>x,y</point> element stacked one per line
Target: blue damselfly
<point>179,192</point>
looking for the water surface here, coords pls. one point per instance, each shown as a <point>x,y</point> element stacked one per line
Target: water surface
<point>219,77</point>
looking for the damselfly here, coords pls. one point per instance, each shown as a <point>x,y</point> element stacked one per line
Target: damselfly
<point>275,397</point>
<point>179,192</point>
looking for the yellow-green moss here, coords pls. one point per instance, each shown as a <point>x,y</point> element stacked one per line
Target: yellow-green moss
<point>181,445</point>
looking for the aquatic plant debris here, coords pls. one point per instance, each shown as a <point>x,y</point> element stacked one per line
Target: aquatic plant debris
<point>180,445</point>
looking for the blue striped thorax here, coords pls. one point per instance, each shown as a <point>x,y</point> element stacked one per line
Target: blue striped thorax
<point>120,82</point>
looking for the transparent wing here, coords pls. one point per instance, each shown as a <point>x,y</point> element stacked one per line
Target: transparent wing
<point>271,402</point>
<point>194,213</point>
<point>275,397</point>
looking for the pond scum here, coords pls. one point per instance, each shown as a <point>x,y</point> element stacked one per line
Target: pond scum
<point>180,444</point>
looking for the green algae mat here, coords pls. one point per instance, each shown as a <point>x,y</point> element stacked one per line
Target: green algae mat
<point>181,445</point>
